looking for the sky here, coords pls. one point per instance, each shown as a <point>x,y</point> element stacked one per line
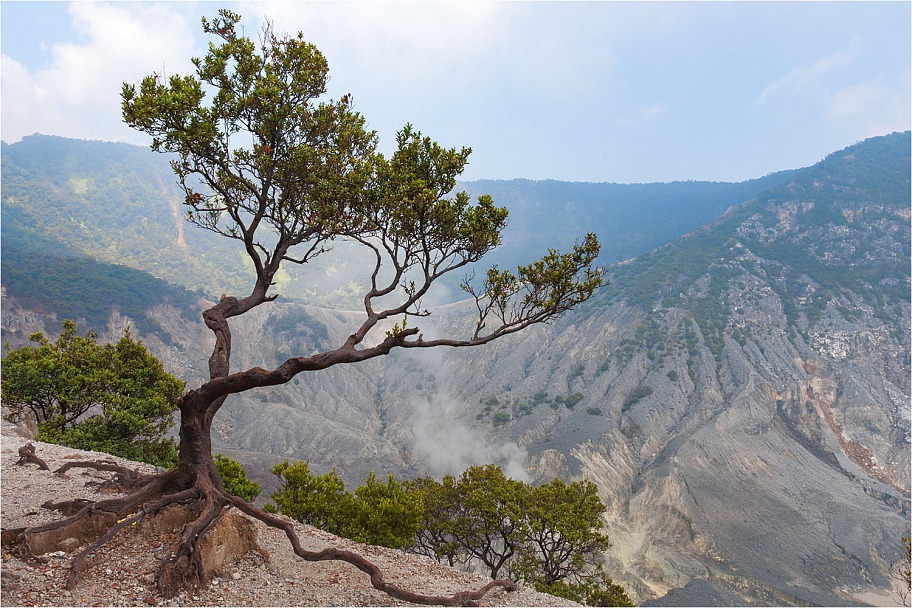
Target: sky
<point>623,92</point>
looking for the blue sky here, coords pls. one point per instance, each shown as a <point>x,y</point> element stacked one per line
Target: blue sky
<point>579,91</point>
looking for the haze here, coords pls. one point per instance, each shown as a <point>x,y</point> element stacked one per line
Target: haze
<point>591,91</point>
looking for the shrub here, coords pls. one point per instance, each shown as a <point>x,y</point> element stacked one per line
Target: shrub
<point>571,401</point>
<point>316,500</point>
<point>501,418</point>
<point>114,398</point>
<point>235,479</point>
<point>383,514</point>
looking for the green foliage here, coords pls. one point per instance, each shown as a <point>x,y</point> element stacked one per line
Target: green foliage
<point>488,523</point>
<point>577,372</point>
<point>640,392</point>
<point>262,157</point>
<point>235,479</point>
<point>501,418</point>
<point>383,514</point>
<point>118,220</point>
<point>298,320</point>
<point>557,283</point>
<point>548,536</point>
<point>378,513</point>
<point>434,537</point>
<point>113,398</point>
<point>317,500</point>
<point>571,401</point>
<point>563,532</point>
<point>78,287</point>
<point>597,590</point>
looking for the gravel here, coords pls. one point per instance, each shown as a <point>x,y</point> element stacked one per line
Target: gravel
<point>123,571</point>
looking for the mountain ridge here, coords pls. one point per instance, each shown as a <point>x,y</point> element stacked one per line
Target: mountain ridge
<point>740,398</point>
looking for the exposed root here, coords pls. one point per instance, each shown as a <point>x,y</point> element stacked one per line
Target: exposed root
<point>87,520</point>
<point>68,507</point>
<point>149,508</point>
<point>464,598</point>
<point>80,558</point>
<point>27,455</point>
<point>184,568</point>
<point>123,477</point>
<point>97,523</point>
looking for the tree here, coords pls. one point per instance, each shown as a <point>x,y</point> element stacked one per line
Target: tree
<point>377,513</point>
<point>549,536</point>
<point>316,500</point>
<point>235,479</point>
<point>384,514</point>
<point>563,546</point>
<point>440,502</point>
<point>563,536</point>
<point>115,398</point>
<point>264,160</point>
<point>489,522</point>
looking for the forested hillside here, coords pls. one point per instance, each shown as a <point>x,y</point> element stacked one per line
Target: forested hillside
<point>119,204</point>
<point>739,392</point>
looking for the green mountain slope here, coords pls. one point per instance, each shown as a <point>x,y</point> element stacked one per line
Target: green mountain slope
<point>119,204</point>
<point>114,203</point>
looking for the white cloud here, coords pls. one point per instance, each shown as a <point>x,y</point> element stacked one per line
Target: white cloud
<point>878,106</point>
<point>78,93</point>
<point>809,79</point>
<point>645,113</point>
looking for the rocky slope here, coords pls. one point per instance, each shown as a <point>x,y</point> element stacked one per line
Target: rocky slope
<point>123,571</point>
<point>741,396</point>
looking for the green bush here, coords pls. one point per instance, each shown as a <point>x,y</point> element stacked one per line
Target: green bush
<point>235,479</point>
<point>383,514</point>
<point>501,418</point>
<point>640,392</point>
<point>378,513</point>
<point>114,398</point>
<point>316,500</point>
<point>571,401</point>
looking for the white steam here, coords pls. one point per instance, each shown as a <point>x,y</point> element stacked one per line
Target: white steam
<point>445,446</point>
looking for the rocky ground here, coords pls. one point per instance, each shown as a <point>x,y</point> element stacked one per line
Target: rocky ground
<point>123,571</point>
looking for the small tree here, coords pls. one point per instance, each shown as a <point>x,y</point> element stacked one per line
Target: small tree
<point>377,513</point>
<point>264,160</point>
<point>316,500</point>
<point>549,536</point>
<point>440,502</point>
<point>563,538</point>
<point>489,522</point>
<point>383,514</point>
<point>115,398</point>
<point>235,479</point>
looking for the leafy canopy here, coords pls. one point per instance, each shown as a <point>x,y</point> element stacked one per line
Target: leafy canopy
<point>234,478</point>
<point>549,536</point>
<point>377,513</point>
<point>115,398</point>
<point>264,158</point>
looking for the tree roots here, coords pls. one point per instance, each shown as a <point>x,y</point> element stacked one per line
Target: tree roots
<point>27,455</point>
<point>98,522</point>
